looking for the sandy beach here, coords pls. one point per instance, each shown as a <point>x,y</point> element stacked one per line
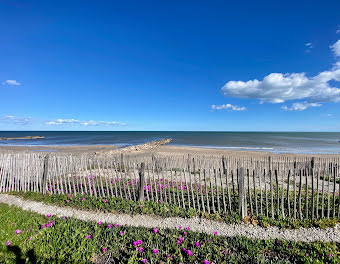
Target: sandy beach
<point>168,150</point>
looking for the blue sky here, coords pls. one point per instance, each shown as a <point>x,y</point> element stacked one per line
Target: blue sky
<point>170,65</point>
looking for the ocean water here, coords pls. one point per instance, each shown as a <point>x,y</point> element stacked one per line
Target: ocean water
<point>277,142</point>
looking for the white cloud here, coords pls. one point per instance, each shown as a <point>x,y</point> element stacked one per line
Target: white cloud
<point>279,87</point>
<point>300,106</point>
<point>337,31</point>
<point>308,44</point>
<point>16,120</point>
<point>72,121</point>
<point>336,48</point>
<point>228,107</point>
<point>11,82</point>
<point>329,115</point>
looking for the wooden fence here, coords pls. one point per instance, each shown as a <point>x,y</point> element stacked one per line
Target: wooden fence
<point>288,187</point>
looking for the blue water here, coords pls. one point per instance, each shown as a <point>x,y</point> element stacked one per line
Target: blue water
<point>278,142</point>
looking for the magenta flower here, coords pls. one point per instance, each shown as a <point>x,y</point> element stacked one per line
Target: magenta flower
<point>189,252</point>
<point>88,237</point>
<point>185,233</point>
<point>18,231</point>
<point>104,249</point>
<point>42,226</point>
<point>206,262</point>
<point>104,200</point>
<point>109,226</point>
<point>307,255</point>
<point>140,249</point>
<point>99,223</point>
<point>64,217</point>
<point>67,201</point>
<point>180,227</point>
<point>83,199</point>
<point>155,251</point>
<point>30,238</point>
<point>215,233</point>
<point>179,242</point>
<point>279,242</point>
<point>183,249</point>
<point>48,215</point>
<point>180,239</point>
<point>197,244</point>
<point>138,242</point>
<point>8,243</point>
<point>169,256</point>
<point>330,255</point>
<point>116,225</point>
<point>69,195</point>
<point>188,228</point>
<point>144,260</point>
<point>121,232</point>
<point>156,231</point>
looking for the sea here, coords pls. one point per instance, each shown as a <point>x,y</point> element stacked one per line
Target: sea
<point>276,142</point>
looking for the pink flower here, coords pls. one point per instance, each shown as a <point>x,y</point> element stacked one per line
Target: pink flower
<point>104,200</point>
<point>156,231</point>
<point>180,227</point>
<point>30,238</point>
<point>48,215</point>
<point>116,225</point>
<point>307,255</point>
<point>144,260</point>
<point>99,223</point>
<point>104,249</point>
<point>42,226</point>
<point>83,199</point>
<point>180,239</point>
<point>155,251</point>
<point>64,217</point>
<point>183,249</point>
<point>185,233</point>
<point>188,228</point>
<point>109,226</point>
<point>206,262</point>
<point>138,242</point>
<point>18,231</point>
<point>179,242</point>
<point>189,252</point>
<point>121,232</point>
<point>140,249</point>
<point>197,244</point>
<point>69,195</point>
<point>215,233</point>
<point>330,255</point>
<point>169,256</point>
<point>88,237</point>
<point>8,243</point>
<point>67,201</point>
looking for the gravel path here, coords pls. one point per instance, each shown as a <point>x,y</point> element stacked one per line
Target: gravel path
<point>195,224</point>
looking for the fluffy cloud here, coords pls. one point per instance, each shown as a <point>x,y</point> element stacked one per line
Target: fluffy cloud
<point>228,107</point>
<point>15,120</point>
<point>336,48</point>
<point>11,82</point>
<point>59,122</point>
<point>300,106</point>
<point>279,88</point>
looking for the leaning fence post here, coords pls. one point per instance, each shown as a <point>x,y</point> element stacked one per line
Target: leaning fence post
<point>44,176</point>
<point>241,204</point>
<point>141,182</point>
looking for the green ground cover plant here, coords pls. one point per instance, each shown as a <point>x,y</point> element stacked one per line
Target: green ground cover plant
<point>121,205</point>
<point>27,237</point>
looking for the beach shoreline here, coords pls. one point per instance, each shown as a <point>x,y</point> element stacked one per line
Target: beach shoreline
<point>167,150</point>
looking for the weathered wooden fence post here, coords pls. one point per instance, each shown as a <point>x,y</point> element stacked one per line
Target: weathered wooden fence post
<point>312,175</point>
<point>44,177</point>
<point>241,204</point>
<point>141,182</point>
